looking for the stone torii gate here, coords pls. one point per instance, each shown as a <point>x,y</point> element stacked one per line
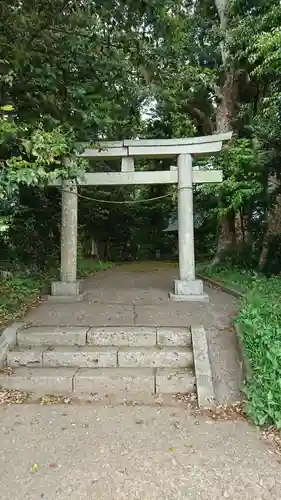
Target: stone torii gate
<point>186,288</point>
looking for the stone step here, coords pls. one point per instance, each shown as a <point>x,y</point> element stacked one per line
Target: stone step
<point>173,336</point>
<point>122,336</point>
<point>97,357</point>
<point>40,380</point>
<point>37,336</point>
<point>174,381</point>
<point>116,336</point>
<point>68,356</point>
<point>25,357</point>
<point>99,381</point>
<point>172,357</point>
<point>140,336</point>
<point>107,381</point>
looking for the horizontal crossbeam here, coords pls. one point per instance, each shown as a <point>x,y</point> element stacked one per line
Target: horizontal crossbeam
<point>180,141</point>
<point>172,151</point>
<point>148,177</point>
<point>157,148</point>
<point>165,151</point>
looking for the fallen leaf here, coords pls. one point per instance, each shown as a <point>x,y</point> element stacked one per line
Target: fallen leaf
<point>12,397</point>
<point>6,371</point>
<point>34,468</point>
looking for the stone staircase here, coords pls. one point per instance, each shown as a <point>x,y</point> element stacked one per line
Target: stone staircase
<point>101,361</point>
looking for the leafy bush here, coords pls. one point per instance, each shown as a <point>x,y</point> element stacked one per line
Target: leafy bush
<point>241,256</point>
<point>260,326</point>
<point>260,329</point>
<point>21,291</point>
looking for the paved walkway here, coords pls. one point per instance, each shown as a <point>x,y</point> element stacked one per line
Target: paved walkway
<point>134,453</point>
<point>137,294</point>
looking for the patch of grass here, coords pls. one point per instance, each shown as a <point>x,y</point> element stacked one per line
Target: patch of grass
<point>87,267</point>
<point>260,326</point>
<point>20,292</point>
<point>237,279</point>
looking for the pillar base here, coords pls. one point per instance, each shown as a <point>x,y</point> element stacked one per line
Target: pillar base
<point>188,291</point>
<point>65,291</point>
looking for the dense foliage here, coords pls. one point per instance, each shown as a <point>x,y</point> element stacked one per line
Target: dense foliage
<point>259,325</point>
<point>80,71</point>
<point>75,72</point>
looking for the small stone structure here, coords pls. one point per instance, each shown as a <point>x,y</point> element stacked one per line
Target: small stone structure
<point>186,288</point>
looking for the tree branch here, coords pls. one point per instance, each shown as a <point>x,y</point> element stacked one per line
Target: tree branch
<point>199,115</point>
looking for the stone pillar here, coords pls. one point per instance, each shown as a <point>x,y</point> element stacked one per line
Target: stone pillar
<point>68,285</point>
<point>185,218</point>
<point>187,288</point>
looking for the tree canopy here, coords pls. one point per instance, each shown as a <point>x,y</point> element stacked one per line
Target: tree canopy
<point>74,72</point>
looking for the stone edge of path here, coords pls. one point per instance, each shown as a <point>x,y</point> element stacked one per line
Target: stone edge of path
<point>220,286</point>
<point>8,339</point>
<point>246,371</point>
<point>202,366</point>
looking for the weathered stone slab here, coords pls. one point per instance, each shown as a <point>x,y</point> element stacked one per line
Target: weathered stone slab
<point>175,381</point>
<point>188,291</point>
<point>52,336</point>
<point>148,177</point>
<point>41,380</point>
<point>189,298</point>
<point>151,357</point>
<point>89,357</point>
<point>25,357</point>
<point>178,141</point>
<point>203,373</point>
<point>81,314</point>
<point>173,336</point>
<point>122,336</point>
<point>175,150</point>
<point>65,289</point>
<point>106,381</point>
<point>188,287</point>
<point>8,340</point>
<point>130,178</point>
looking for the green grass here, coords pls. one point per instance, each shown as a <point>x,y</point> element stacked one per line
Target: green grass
<point>260,326</point>
<point>237,279</point>
<point>20,292</point>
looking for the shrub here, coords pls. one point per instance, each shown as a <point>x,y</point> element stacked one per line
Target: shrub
<point>260,326</point>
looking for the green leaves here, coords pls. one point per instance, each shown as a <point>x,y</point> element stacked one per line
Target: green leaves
<point>37,156</point>
<point>260,320</point>
<point>7,107</point>
<point>260,329</point>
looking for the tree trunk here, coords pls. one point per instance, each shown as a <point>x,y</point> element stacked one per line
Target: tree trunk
<point>227,96</point>
<point>240,228</point>
<point>227,237</point>
<point>224,115</point>
<point>264,250</point>
<point>273,221</point>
